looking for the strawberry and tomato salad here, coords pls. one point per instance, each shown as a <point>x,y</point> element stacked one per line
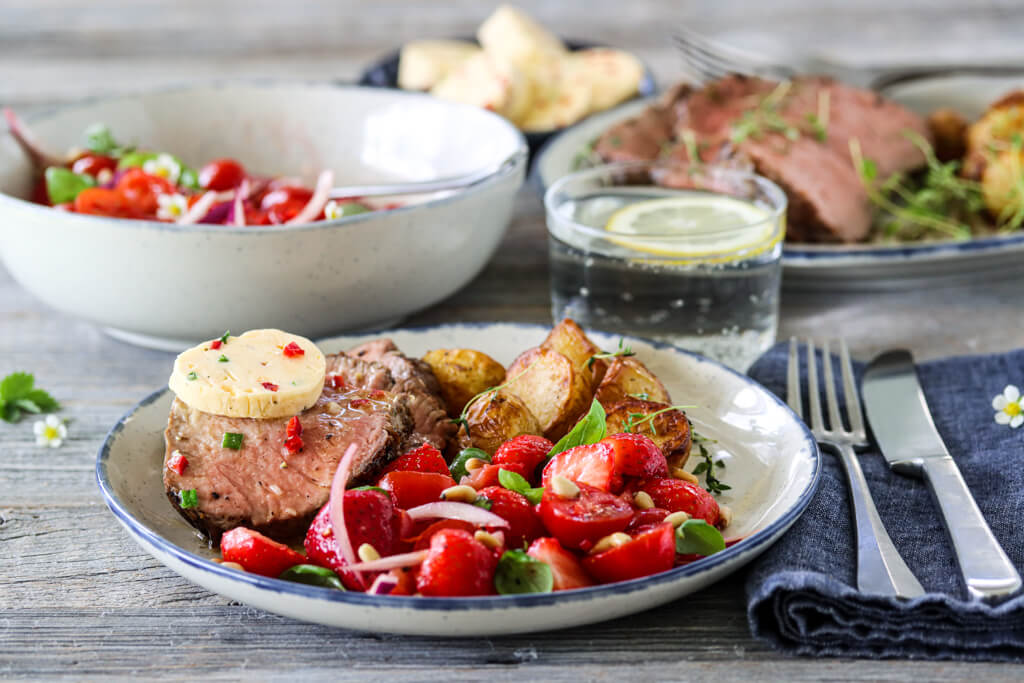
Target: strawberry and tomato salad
<point>536,517</point>
<point>106,178</point>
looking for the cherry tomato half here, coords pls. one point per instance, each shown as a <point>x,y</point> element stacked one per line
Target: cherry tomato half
<point>221,174</point>
<point>285,194</point>
<point>92,164</point>
<point>651,552</point>
<point>102,202</point>
<point>140,190</point>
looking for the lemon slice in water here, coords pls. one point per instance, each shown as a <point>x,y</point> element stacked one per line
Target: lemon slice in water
<point>694,226</point>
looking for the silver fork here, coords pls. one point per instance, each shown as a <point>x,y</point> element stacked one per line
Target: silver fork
<point>880,569</point>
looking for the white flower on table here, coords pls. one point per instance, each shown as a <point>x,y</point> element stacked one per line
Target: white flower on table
<point>171,207</point>
<point>50,432</point>
<point>165,166</point>
<point>1009,407</point>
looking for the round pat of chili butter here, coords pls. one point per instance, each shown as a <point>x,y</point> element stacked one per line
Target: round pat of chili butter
<point>259,374</point>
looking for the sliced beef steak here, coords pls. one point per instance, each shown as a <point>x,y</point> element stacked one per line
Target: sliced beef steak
<point>262,485</point>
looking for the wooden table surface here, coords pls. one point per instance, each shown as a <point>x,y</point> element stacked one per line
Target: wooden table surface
<point>79,599</point>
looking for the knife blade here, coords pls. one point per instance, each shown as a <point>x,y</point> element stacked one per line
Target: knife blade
<point>905,431</point>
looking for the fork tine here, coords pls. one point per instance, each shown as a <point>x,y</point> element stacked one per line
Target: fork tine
<point>850,387</point>
<point>817,423</point>
<point>793,379</point>
<point>835,420</point>
<point>708,61</point>
<point>702,66</point>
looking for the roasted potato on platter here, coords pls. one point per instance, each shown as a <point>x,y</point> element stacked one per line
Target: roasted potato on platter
<point>424,63</point>
<point>551,387</point>
<point>569,339</point>
<point>627,377</point>
<point>669,428</point>
<point>497,417</point>
<point>462,374</point>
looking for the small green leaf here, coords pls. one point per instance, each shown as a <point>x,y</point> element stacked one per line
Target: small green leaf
<point>224,337</point>
<point>370,488</point>
<point>868,169</point>
<point>514,481</point>
<point>590,429</point>
<point>224,359</point>
<point>27,405</point>
<point>63,185</point>
<point>189,178</point>
<point>232,440</point>
<point>519,573</point>
<point>312,575</point>
<point>42,399</point>
<point>192,376</point>
<point>483,502</point>
<point>16,385</point>
<point>458,466</point>
<point>100,140</point>
<point>134,159</point>
<point>9,412</point>
<point>188,499</point>
<point>697,537</point>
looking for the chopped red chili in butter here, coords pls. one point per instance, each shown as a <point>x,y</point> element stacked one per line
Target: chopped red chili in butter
<point>292,350</point>
<point>270,386</point>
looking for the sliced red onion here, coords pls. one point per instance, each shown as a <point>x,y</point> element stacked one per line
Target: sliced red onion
<point>237,217</point>
<point>199,209</point>
<point>218,214</point>
<point>112,183</point>
<point>383,585</point>
<point>337,511</point>
<point>20,132</point>
<point>464,511</point>
<point>316,203</point>
<point>389,562</point>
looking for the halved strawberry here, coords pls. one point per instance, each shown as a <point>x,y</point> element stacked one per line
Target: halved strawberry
<point>565,567</point>
<point>591,464</point>
<point>369,517</point>
<point>410,489</point>
<point>488,475</point>
<point>456,564</point>
<point>650,552</point>
<point>423,458</point>
<point>637,456</point>
<point>646,519</point>
<point>676,495</point>
<point>526,450</point>
<point>257,553</point>
<point>524,524</point>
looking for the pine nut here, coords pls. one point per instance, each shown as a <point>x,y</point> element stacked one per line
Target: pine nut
<point>677,518</point>
<point>233,565</point>
<point>473,464</point>
<point>488,539</point>
<point>643,500</point>
<point>610,541</point>
<point>680,473</point>
<point>367,553</point>
<point>462,493</point>
<point>724,515</point>
<point>333,408</point>
<point>564,487</point>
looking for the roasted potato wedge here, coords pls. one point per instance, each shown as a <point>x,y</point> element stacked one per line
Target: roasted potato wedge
<point>669,429</point>
<point>571,341</point>
<point>627,377</point>
<point>497,417</point>
<point>462,374</point>
<point>949,129</point>
<point>551,387</point>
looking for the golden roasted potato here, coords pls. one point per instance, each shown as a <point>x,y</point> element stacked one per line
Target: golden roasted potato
<point>1001,184</point>
<point>497,417</point>
<point>571,341</point>
<point>462,374</point>
<point>949,130</point>
<point>551,387</point>
<point>627,377</point>
<point>669,429</point>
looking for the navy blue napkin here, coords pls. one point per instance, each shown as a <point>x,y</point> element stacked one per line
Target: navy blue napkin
<point>802,595</point>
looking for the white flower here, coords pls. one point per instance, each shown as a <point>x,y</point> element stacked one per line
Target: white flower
<point>333,210</point>
<point>1009,407</point>
<point>50,432</point>
<point>171,207</point>
<point>165,166</point>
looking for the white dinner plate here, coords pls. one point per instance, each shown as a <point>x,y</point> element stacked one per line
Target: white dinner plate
<point>772,464</point>
<point>857,266</point>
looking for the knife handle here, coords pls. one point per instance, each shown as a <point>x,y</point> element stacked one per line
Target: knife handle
<point>988,573</point>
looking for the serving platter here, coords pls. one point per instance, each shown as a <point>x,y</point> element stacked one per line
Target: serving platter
<point>858,266</point>
<point>771,462</point>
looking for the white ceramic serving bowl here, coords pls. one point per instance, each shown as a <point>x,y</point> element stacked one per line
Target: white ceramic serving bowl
<point>169,286</point>
<point>772,464</point>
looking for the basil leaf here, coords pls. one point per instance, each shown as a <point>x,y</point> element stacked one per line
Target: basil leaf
<point>134,159</point>
<point>697,537</point>
<point>590,429</point>
<point>63,185</point>
<point>483,502</point>
<point>189,178</point>
<point>312,575</point>
<point>9,412</point>
<point>458,466</point>
<point>519,573</point>
<point>27,405</point>
<point>16,385</point>
<point>100,140</point>
<point>42,399</point>
<point>514,481</point>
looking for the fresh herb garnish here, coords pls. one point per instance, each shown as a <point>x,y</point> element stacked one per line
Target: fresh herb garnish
<point>634,420</point>
<point>697,537</point>
<point>100,140</point>
<point>591,429</point>
<point>458,466</point>
<point>222,359</point>
<point>312,575</point>
<point>623,351</point>
<point>514,481</point>
<point>707,467</point>
<point>188,499</point>
<point>232,440</point>
<point>518,573</point>
<point>224,337</point>
<point>765,117</point>
<point>192,376</point>
<point>63,186</point>
<point>18,394</point>
<point>461,420</point>
<point>483,502</point>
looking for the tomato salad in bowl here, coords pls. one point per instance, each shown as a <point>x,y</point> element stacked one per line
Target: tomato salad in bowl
<point>107,178</point>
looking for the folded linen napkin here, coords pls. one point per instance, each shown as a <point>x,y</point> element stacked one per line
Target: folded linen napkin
<point>802,595</point>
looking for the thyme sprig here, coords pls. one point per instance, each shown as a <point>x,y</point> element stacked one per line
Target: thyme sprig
<point>634,420</point>
<point>623,351</point>
<point>462,422</point>
<point>712,483</point>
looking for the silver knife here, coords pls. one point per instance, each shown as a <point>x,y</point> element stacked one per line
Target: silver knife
<point>903,426</point>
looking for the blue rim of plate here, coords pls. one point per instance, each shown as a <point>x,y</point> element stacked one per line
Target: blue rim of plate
<point>758,538</point>
<point>800,254</point>
<point>509,166</point>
